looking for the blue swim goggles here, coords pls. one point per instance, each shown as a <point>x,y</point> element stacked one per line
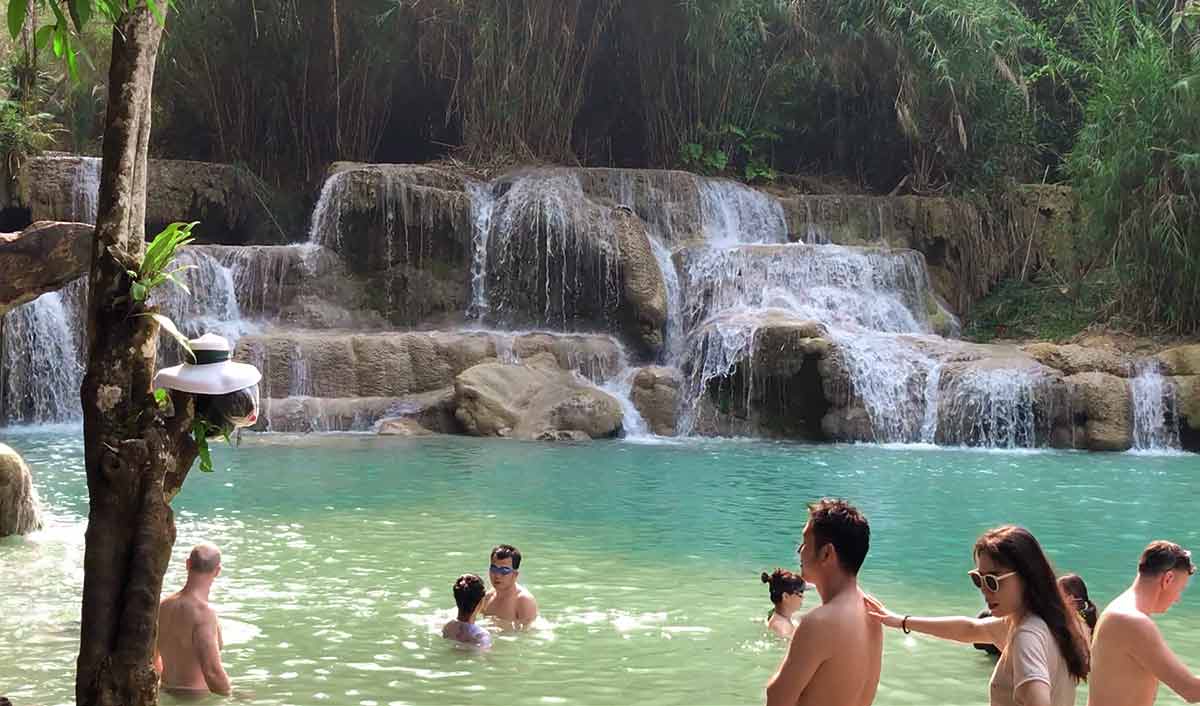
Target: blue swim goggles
<point>502,570</point>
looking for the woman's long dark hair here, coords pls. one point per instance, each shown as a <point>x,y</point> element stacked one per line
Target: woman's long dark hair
<point>1077,595</point>
<point>1015,548</point>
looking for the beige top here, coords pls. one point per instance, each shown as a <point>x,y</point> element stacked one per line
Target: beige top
<point>1032,655</point>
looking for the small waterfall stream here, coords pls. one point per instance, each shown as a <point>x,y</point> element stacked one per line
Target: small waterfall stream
<point>1154,414</point>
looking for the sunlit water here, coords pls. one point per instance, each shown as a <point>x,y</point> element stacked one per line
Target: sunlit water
<point>340,552</point>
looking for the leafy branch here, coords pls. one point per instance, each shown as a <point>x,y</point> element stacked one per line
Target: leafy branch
<point>160,254</point>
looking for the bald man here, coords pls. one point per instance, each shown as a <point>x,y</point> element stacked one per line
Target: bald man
<point>188,653</point>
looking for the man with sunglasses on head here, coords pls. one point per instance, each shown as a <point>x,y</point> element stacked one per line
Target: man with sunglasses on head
<point>836,651</point>
<point>1129,655</point>
<point>508,603</point>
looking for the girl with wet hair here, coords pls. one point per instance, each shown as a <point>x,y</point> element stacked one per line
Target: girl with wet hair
<point>1076,593</point>
<point>787,594</point>
<point>1044,648</point>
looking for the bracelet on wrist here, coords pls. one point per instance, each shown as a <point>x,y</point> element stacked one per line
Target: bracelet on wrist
<point>904,625</point>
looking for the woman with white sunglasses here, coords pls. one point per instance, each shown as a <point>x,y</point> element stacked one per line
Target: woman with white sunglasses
<point>1044,651</point>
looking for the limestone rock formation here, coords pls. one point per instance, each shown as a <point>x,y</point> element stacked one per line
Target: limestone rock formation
<point>42,258</point>
<point>655,394</point>
<point>19,507</point>
<point>400,426</point>
<point>1072,359</point>
<point>338,364</point>
<point>1105,404</point>
<point>526,400</point>
<point>220,196</point>
<point>407,230</point>
<point>1183,360</point>
<point>557,258</point>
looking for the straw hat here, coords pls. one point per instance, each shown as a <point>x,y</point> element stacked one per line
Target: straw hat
<point>213,373</point>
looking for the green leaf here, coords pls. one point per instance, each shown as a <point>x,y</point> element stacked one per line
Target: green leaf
<point>72,64</point>
<point>81,12</point>
<point>138,291</point>
<point>58,42</point>
<point>169,326</point>
<point>17,10</point>
<point>200,435</point>
<point>43,35</point>
<point>160,398</point>
<point>171,276</point>
<point>157,11</point>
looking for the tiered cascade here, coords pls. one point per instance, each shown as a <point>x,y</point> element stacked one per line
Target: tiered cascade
<point>747,316</point>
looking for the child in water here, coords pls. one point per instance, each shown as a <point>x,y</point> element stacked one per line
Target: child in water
<point>787,593</point>
<point>468,595</point>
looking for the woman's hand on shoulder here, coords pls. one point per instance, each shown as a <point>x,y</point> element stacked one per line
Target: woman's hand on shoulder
<point>876,610</point>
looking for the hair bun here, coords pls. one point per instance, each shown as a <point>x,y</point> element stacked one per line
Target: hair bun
<point>766,578</point>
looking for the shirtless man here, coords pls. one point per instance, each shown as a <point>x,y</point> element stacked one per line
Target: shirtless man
<point>836,652</point>
<point>188,653</point>
<point>508,602</point>
<point>1129,655</point>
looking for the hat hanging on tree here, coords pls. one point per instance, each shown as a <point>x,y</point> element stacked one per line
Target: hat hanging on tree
<point>213,373</point>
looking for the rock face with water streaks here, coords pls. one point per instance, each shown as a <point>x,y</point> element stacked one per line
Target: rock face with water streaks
<point>530,399</point>
<point>220,196</point>
<point>1105,405</point>
<point>655,394</point>
<point>42,258</point>
<point>19,512</point>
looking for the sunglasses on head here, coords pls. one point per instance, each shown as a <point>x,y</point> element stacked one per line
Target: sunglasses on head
<point>991,582</point>
<point>501,570</point>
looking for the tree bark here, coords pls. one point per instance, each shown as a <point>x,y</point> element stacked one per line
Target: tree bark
<point>136,456</point>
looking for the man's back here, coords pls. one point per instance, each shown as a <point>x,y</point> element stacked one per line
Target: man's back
<point>189,642</point>
<point>841,648</point>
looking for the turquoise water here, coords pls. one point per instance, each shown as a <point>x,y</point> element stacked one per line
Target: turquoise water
<point>340,551</point>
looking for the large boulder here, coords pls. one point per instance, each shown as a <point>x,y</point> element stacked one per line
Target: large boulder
<point>1104,402</point>
<point>19,507</point>
<point>526,400</point>
<point>1188,391</point>
<point>1183,360</point>
<point>221,196</point>
<point>655,395</point>
<point>42,258</point>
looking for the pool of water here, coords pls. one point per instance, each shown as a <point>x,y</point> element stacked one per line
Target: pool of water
<point>340,551</point>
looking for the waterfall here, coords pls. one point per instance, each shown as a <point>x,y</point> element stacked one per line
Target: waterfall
<point>734,213</point>
<point>326,226</point>
<point>482,205</point>
<point>551,257</point>
<point>1155,420</point>
<point>40,363</point>
<point>85,199</point>
<point>994,408</point>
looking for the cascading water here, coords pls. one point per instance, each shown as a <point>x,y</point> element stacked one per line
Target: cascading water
<point>40,362</point>
<point>733,213</point>
<point>482,205</point>
<point>85,198</point>
<point>1155,425</point>
<point>325,229</point>
<point>994,408</point>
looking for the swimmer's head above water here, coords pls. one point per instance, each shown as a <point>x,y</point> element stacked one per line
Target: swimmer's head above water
<point>504,566</point>
<point>204,560</point>
<point>468,594</point>
<point>783,584</point>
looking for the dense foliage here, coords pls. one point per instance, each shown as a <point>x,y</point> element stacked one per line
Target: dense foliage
<point>920,96</point>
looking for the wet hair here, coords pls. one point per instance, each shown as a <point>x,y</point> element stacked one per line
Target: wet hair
<point>225,413</point>
<point>1076,592</point>
<point>782,582</point>
<point>204,559</point>
<point>1016,549</point>
<point>468,591</point>
<point>839,523</point>
<point>508,551</point>
<point>1162,556</point>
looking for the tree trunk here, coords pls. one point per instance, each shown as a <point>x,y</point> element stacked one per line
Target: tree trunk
<point>136,456</point>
